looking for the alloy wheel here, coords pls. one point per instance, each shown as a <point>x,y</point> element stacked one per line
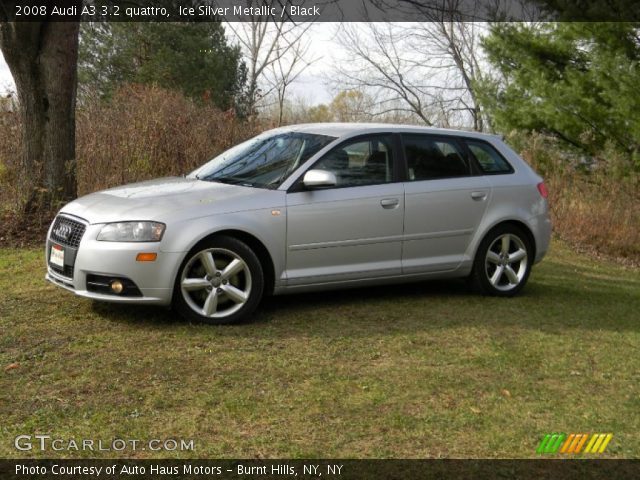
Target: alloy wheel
<point>216,283</point>
<point>506,262</point>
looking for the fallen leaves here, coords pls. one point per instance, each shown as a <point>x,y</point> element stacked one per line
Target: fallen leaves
<point>11,366</point>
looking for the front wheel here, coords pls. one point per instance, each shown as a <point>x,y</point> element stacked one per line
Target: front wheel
<point>503,262</point>
<point>219,282</point>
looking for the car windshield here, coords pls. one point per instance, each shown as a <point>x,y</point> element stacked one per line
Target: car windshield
<point>264,161</point>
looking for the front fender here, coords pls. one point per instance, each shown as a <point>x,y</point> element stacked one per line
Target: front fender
<point>264,224</point>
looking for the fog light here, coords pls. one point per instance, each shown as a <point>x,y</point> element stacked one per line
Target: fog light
<point>117,287</point>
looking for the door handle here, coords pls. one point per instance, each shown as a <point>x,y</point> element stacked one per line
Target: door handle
<point>389,202</point>
<point>478,195</point>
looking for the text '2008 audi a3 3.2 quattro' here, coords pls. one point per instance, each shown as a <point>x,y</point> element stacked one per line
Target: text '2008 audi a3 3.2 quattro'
<point>308,207</point>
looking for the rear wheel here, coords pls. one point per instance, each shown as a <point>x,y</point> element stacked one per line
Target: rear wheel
<point>503,262</point>
<point>220,281</point>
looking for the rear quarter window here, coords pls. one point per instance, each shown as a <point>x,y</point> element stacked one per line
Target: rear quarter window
<point>489,160</point>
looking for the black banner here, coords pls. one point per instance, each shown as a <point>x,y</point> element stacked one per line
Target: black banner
<point>319,10</point>
<point>323,469</point>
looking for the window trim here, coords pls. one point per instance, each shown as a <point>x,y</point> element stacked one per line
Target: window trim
<point>474,169</point>
<point>298,185</point>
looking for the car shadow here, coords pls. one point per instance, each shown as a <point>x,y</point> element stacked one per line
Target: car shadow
<point>347,296</point>
<point>273,307</point>
<point>558,298</point>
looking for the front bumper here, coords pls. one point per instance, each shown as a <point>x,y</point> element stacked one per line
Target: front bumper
<point>164,297</point>
<point>154,279</point>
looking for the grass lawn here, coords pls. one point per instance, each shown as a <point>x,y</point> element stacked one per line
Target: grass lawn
<point>421,370</point>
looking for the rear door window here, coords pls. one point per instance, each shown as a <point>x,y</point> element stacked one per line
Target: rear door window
<point>430,158</point>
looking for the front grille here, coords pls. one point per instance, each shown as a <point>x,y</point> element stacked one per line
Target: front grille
<point>67,271</point>
<point>67,232</point>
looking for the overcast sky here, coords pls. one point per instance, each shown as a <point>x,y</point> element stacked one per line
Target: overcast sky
<point>310,85</point>
<point>6,80</point>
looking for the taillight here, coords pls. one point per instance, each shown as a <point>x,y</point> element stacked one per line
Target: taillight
<point>542,188</point>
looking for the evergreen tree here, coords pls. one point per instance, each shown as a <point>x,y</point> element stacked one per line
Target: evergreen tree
<point>194,58</point>
<point>576,81</point>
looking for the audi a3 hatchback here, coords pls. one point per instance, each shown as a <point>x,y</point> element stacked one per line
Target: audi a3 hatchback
<point>308,207</point>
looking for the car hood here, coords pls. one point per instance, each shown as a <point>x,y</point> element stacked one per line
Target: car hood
<point>165,198</point>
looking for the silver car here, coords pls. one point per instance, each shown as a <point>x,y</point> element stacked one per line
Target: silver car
<point>308,207</point>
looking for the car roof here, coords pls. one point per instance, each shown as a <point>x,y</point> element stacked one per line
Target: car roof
<point>352,129</point>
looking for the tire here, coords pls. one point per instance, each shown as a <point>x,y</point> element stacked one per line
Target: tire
<point>503,262</point>
<point>219,282</point>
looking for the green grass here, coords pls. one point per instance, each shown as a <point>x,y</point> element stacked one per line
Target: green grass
<point>421,370</point>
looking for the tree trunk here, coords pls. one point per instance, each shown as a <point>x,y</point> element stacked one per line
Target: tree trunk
<point>281,96</point>
<point>42,57</point>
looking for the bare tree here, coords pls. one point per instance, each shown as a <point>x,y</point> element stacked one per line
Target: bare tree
<point>42,57</point>
<point>429,69</point>
<point>352,106</point>
<point>287,69</point>
<point>378,64</point>
<point>265,42</point>
<point>453,45</point>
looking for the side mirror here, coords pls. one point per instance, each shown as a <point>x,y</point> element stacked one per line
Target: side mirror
<point>319,179</point>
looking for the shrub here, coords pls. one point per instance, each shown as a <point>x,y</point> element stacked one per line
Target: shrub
<point>595,202</point>
<point>143,132</point>
<point>147,132</point>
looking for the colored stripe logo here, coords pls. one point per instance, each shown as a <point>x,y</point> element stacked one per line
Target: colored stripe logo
<point>574,443</point>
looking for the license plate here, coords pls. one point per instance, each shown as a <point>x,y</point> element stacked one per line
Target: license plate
<point>57,256</point>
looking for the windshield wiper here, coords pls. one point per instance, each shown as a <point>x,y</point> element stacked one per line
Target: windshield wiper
<point>233,181</point>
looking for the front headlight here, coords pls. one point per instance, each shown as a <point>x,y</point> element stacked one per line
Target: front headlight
<point>132,232</point>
